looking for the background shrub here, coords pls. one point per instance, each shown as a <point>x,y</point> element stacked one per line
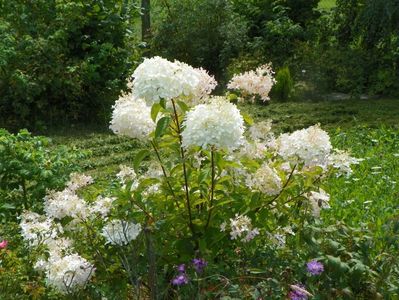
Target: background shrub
<point>28,167</point>
<point>62,60</point>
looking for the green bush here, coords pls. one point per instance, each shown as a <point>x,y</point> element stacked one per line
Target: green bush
<point>284,85</point>
<point>28,167</point>
<point>201,33</point>
<point>62,60</point>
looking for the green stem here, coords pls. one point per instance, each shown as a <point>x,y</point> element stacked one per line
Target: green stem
<point>164,173</point>
<point>212,188</point>
<point>190,218</point>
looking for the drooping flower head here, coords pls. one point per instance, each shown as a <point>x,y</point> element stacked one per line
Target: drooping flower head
<point>314,267</point>
<point>216,124</point>
<point>132,118</point>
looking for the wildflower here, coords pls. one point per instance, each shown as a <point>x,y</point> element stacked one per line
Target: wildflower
<point>118,232</point>
<point>314,267</point>
<point>181,268</point>
<point>216,124</point>
<point>3,244</point>
<point>299,292</point>
<point>180,279</point>
<point>132,118</point>
<point>199,264</point>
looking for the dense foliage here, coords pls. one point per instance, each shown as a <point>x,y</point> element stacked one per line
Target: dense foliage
<point>62,60</point>
<point>28,167</point>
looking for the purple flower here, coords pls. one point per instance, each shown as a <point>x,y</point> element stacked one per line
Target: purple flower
<point>298,292</point>
<point>199,264</point>
<point>180,279</point>
<point>314,267</point>
<point>181,268</point>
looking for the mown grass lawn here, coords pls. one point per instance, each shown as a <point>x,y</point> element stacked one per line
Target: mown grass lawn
<point>108,151</point>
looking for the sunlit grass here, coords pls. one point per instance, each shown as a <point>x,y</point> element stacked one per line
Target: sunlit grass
<point>327,4</point>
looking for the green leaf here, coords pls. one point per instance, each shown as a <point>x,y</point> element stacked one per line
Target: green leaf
<point>163,103</point>
<point>247,118</point>
<point>155,110</point>
<point>183,106</point>
<point>162,125</point>
<point>139,158</point>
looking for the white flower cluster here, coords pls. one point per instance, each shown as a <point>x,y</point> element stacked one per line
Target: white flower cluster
<point>65,270</point>
<point>132,118</point>
<point>216,124</point>
<point>126,174</point>
<point>157,78</point>
<point>318,200</point>
<point>258,82</point>
<point>311,146</point>
<point>37,229</point>
<point>342,161</point>
<point>119,232</point>
<point>66,203</point>
<point>261,131</point>
<point>67,273</point>
<point>78,180</point>
<point>241,227</point>
<point>266,180</point>
<point>102,206</point>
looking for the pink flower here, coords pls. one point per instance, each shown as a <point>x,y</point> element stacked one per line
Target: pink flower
<point>3,244</point>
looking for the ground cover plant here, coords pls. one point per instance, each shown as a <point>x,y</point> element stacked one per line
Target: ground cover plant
<point>214,203</point>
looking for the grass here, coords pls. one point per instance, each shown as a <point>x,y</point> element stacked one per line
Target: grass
<point>327,4</point>
<point>108,151</point>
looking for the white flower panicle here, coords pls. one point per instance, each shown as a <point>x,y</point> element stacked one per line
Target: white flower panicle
<point>37,229</point>
<point>266,180</point>
<point>67,273</point>
<point>241,227</point>
<point>126,174</point>
<point>261,131</point>
<point>318,201</point>
<point>78,180</point>
<point>311,146</point>
<point>157,78</point>
<point>217,124</point>
<point>254,150</point>
<point>258,82</point>
<point>66,203</point>
<point>102,206</point>
<point>119,232</point>
<point>132,118</point>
